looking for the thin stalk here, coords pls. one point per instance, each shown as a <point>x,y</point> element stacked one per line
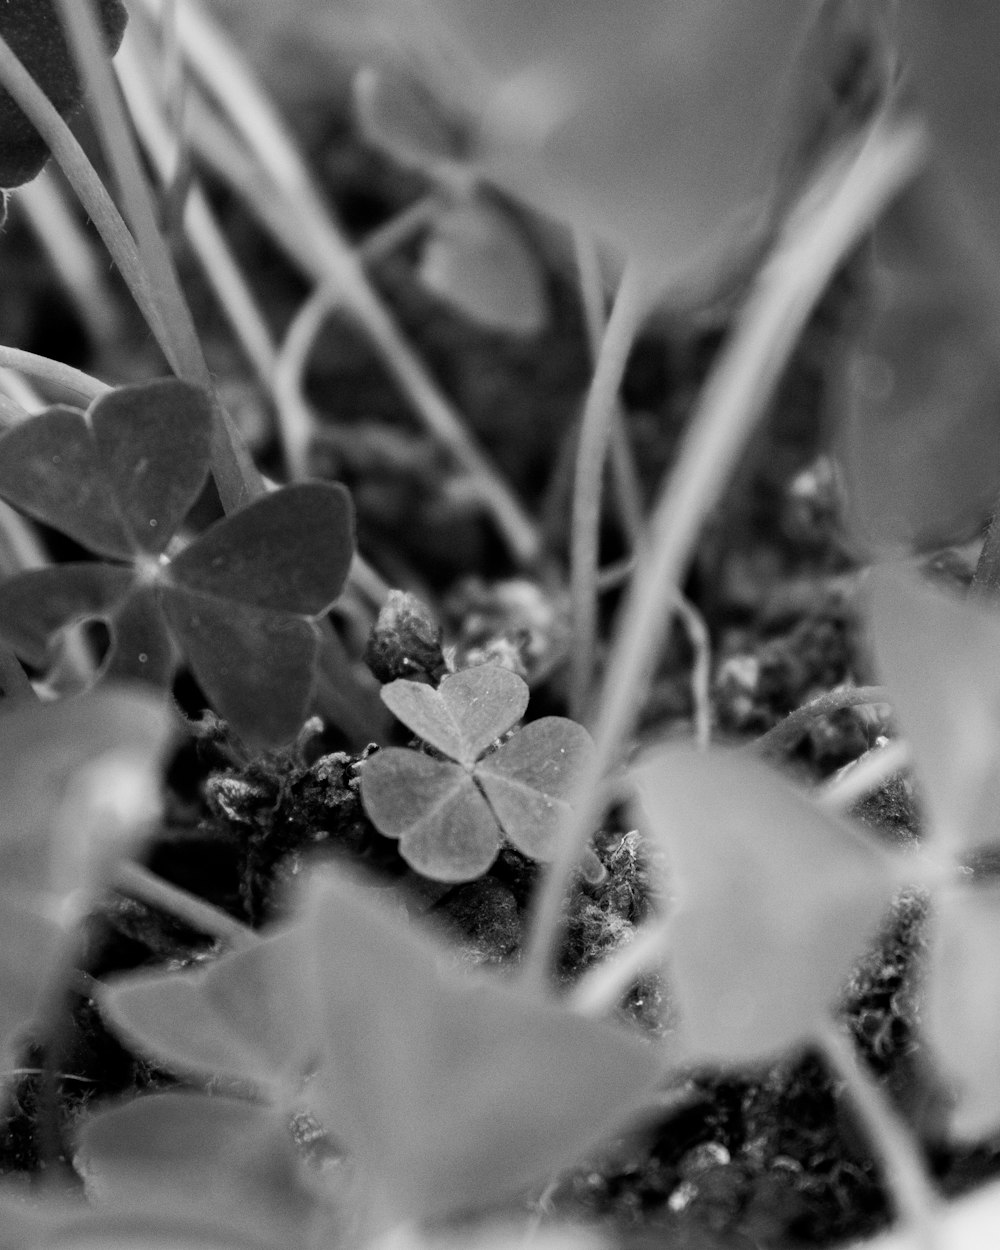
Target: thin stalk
<point>77,262</point>
<point>11,412</point>
<point>215,61</point>
<point>18,389</point>
<point>177,177</point>
<point>139,883</point>
<point>626,487</point>
<point>83,31</point>
<point>600,989</point>
<point>868,773</point>
<point>909,1186</point>
<point>199,221</point>
<point>235,474</point>
<point>836,211</point>
<point>787,733</point>
<point>295,414</point>
<point>20,546</point>
<point>79,384</point>
<point>624,475</point>
<point>701,667</point>
<point>631,305</point>
<point>87,185</point>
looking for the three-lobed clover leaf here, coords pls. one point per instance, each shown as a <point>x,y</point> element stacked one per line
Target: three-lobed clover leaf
<point>451,815</point>
<point>938,656</point>
<point>34,32</point>
<point>774,902</point>
<point>448,1091</point>
<point>196,1170</point>
<point>240,602</point>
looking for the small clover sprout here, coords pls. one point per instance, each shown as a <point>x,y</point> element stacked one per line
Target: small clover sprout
<point>239,603</point>
<point>451,815</point>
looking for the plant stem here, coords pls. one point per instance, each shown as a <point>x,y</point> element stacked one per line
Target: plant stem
<point>139,883</point>
<point>839,206</point>
<point>77,261</point>
<point>864,775</point>
<point>235,474</point>
<point>786,734</point>
<point>83,178</point>
<point>906,1175</point>
<point>333,260</point>
<point>625,478</point>
<point>200,225</point>
<point>631,305</point>
<point>79,19</point>
<point>600,989</point>
<point>296,419</point>
<point>79,384</point>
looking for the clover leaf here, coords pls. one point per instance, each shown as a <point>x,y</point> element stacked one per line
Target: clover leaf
<point>239,603</point>
<point>937,655</point>
<point>34,32</point>
<point>451,815</point>
<point>447,1091</point>
<point>190,1168</point>
<point>774,900</point>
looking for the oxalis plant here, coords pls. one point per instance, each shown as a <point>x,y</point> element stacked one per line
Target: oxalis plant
<point>340,1077</point>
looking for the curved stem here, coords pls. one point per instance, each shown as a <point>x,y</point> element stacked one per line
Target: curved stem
<point>630,307</point>
<point>77,259</point>
<point>835,212</point>
<point>787,733</point>
<point>80,22</point>
<point>199,220</point>
<point>600,989</point>
<point>865,774</point>
<point>235,473</point>
<point>139,883</point>
<point>333,260</point>
<point>78,383</point>
<point>90,190</point>
<point>906,1174</point>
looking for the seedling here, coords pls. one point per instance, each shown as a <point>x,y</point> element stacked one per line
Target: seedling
<point>451,815</point>
<point>239,603</point>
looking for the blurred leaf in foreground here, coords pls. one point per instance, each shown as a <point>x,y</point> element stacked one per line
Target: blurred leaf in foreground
<point>448,1091</point>
<point>775,900</point>
<point>78,789</point>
